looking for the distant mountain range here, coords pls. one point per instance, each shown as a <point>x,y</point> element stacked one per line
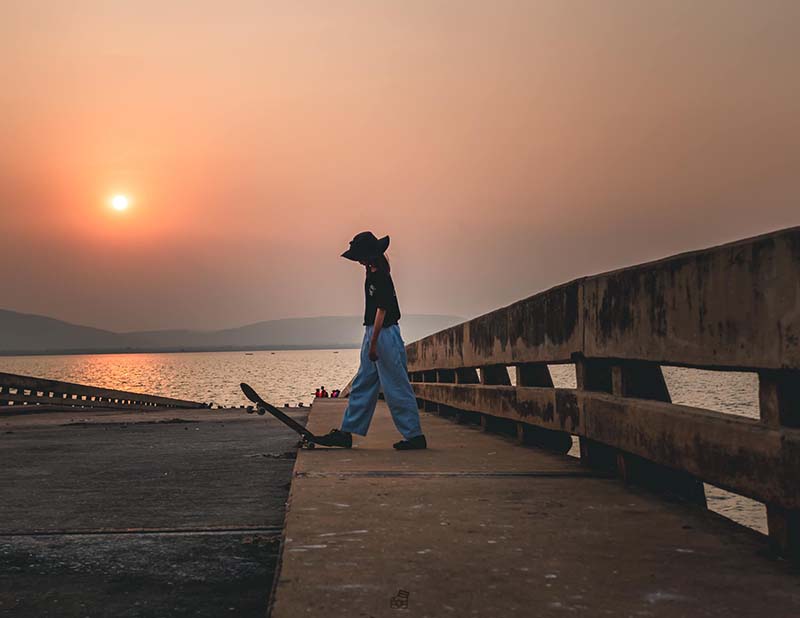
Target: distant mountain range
<point>22,333</point>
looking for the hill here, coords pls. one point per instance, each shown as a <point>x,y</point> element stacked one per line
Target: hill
<point>33,334</point>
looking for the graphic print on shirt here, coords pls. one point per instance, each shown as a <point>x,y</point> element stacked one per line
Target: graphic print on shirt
<point>380,294</point>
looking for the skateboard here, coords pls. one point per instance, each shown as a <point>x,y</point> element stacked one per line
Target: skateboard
<point>306,437</point>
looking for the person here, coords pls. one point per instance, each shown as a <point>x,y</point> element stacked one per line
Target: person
<point>316,393</point>
<point>383,355</point>
<point>322,392</point>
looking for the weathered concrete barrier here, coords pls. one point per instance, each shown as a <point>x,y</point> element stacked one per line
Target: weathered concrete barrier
<point>16,390</point>
<point>733,307</point>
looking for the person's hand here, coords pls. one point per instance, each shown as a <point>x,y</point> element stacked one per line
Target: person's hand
<point>373,353</point>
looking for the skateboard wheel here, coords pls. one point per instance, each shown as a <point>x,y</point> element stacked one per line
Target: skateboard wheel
<point>310,445</point>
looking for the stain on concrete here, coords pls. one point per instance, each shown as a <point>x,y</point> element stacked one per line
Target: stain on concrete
<point>568,410</point>
<point>615,315</point>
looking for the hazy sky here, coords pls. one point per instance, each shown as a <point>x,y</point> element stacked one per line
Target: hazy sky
<point>505,147</point>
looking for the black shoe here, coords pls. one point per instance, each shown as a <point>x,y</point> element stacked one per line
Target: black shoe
<point>415,443</point>
<point>335,437</point>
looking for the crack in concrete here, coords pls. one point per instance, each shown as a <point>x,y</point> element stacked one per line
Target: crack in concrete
<point>474,474</point>
<point>277,530</point>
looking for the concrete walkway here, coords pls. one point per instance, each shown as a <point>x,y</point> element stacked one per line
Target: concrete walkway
<point>478,526</point>
<point>140,514</point>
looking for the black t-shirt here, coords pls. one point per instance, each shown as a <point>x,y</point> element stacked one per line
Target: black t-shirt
<point>379,293</point>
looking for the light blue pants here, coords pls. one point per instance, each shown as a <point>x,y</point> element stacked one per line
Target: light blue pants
<point>390,371</point>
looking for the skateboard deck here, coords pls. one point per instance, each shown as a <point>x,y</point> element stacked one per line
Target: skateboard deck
<point>307,438</point>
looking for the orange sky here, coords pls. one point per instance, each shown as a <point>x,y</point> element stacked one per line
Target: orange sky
<point>505,146</point>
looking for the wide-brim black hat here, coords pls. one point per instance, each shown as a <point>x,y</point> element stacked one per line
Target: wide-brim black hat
<point>366,246</point>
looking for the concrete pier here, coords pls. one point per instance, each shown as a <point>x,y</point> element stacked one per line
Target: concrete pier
<point>145,512</point>
<point>480,526</point>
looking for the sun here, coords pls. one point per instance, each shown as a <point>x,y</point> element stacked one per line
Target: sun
<point>120,202</point>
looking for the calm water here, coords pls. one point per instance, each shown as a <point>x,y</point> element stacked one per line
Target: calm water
<point>289,376</point>
<point>292,376</point>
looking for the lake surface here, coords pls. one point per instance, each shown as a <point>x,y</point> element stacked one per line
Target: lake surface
<point>287,376</point>
<point>291,376</point>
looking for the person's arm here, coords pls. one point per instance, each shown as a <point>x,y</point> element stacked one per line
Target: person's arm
<point>380,314</point>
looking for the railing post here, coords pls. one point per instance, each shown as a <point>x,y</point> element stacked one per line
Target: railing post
<point>779,406</point>
<point>646,381</point>
<point>493,375</point>
<point>538,374</point>
<point>595,375</point>
<point>449,376</point>
<point>429,406</point>
<point>640,379</point>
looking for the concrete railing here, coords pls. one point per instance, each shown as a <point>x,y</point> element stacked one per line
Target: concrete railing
<point>16,390</point>
<point>734,307</point>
